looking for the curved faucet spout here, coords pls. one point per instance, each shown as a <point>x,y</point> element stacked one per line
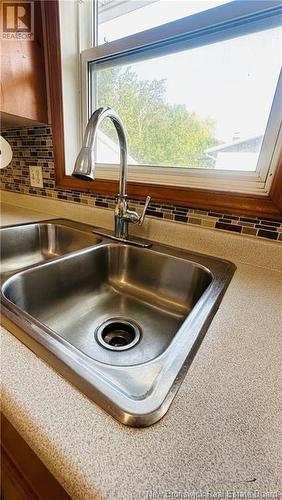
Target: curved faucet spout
<point>85,168</point>
<point>85,162</point>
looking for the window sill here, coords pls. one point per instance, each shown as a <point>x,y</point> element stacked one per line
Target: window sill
<point>264,206</point>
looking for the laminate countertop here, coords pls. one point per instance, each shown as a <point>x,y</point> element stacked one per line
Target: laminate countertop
<point>222,435</point>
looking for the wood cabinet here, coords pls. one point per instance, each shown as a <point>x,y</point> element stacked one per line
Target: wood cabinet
<point>23,475</point>
<point>23,78</point>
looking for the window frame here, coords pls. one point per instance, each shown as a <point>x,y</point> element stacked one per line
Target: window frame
<point>264,204</point>
<point>215,25</point>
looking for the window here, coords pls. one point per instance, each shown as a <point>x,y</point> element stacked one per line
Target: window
<point>205,107</point>
<point>234,173</point>
<point>200,97</point>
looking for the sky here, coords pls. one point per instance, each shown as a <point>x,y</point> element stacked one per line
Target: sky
<point>233,82</point>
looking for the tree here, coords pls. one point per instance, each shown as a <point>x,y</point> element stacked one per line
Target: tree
<point>159,133</point>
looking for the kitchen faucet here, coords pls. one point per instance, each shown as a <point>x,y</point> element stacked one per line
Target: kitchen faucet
<point>85,167</point>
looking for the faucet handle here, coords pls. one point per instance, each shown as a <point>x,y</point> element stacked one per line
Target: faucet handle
<point>142,216</point>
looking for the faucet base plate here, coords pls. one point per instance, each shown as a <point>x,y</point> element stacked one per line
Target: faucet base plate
<point>129,241</point>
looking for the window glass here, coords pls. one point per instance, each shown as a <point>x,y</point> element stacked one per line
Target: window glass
<point>204,107</point>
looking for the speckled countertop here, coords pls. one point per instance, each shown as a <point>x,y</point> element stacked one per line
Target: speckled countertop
<point>222,434</point>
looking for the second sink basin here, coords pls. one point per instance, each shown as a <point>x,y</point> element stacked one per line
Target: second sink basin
<point>25,245</point>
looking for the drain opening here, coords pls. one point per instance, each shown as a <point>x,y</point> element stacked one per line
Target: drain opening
<point>118,334</point>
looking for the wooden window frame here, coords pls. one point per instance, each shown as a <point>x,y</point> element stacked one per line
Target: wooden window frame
<point>263,206</point>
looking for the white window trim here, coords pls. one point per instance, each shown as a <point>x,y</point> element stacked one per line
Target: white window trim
<point>198,29</point>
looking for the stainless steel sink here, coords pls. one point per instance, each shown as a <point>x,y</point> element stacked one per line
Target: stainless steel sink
<point>114,283</point>
<point>25,245</point>
<point>122,323</point>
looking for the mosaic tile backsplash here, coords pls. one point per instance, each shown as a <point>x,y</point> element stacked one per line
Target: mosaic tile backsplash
<point>33,146</point>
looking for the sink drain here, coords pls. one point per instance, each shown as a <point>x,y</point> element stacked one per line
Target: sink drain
<point>118,334</point>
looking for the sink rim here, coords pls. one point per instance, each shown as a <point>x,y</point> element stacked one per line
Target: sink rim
<point>92,377</point>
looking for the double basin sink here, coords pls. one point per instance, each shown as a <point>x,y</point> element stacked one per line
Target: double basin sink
<point>121,322</point>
